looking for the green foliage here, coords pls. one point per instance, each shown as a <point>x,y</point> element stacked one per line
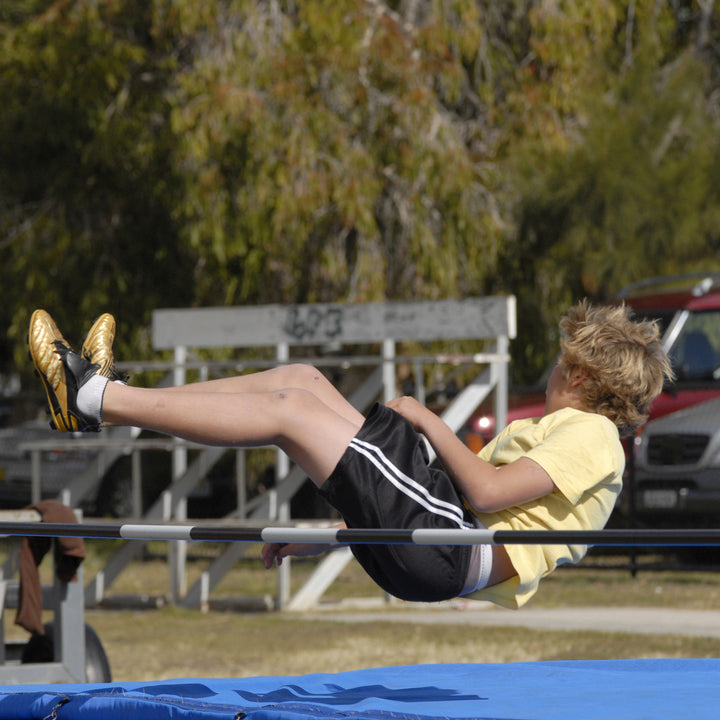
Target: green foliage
<point>85,176</point>
<point>176,153</point>
<point>624,183</point>
<point>326,161</point>
<point>159,153</point>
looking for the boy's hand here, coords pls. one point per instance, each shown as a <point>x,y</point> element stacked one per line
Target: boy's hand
<point>413,411</point>
<point>272,552</point>
<point>275,552</point>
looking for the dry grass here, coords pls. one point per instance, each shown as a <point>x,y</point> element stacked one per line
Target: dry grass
<point>174,642</point>
<point>566,587</point>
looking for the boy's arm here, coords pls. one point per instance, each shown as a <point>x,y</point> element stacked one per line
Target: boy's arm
<point>485,487</point>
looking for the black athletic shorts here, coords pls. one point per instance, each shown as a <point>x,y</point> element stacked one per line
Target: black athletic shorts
<point>384,480</point>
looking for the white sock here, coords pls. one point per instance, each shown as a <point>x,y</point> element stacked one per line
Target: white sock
<point>90,397</point>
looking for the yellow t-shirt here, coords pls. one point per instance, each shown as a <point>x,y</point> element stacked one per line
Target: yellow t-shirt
<point>583,455</point>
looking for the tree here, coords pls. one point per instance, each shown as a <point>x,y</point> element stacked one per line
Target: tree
<point>329,156</point>
<point>617,179</point>
<point>86,176</point>
<point>240,152</point>
<point>174,153</point>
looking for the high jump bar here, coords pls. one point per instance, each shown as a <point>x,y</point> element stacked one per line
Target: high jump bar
<point>364,536</point>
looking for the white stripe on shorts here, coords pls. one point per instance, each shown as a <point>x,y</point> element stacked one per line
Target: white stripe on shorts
<point>408,486</point>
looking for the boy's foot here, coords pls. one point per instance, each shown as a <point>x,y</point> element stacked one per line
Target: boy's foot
<point>97,347</point>
<point>63,373</point>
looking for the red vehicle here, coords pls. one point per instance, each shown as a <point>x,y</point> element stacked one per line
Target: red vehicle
<point>688,309</point>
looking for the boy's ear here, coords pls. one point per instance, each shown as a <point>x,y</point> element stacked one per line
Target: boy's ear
<point>577,377</point>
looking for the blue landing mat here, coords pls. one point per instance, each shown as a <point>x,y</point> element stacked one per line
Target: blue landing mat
<point>572,690</point>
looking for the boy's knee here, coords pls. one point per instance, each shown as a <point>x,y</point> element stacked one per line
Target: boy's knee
<point>301,375</point>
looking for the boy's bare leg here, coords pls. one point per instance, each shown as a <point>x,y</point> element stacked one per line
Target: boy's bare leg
<point>295,420</point>
<point>293,407</point>
<point>296,375</point>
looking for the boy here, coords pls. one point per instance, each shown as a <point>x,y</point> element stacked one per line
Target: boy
<point>560,471</point>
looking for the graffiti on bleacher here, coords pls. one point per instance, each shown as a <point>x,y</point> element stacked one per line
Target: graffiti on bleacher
<point>314,322</point>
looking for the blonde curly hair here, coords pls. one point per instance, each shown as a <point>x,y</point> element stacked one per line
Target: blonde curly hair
<point>623,359</point>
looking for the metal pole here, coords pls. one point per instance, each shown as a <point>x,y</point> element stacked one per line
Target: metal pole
<point>367,536</point>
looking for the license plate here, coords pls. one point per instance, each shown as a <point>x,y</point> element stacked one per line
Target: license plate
<point>660,499</point>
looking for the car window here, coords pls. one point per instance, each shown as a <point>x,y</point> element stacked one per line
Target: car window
<point>696,352</point>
